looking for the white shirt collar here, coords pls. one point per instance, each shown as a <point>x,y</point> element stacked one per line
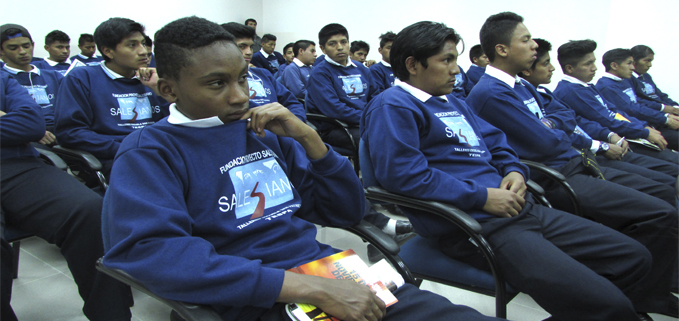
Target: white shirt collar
<point>416,92</point>
<point>266,55</point>
<point>15,71</point>
<point>635,74</point>
<point>177,118</point>
<point>612,76</point>
<point>54,63</point>
<point>112,74</point>
<point>502,76</point>
<point>473,64</point>
<point>385,63</point>
<point>298,62</point>
<point>349,64</point>
<point>574,80</point>
<point>86,57</point>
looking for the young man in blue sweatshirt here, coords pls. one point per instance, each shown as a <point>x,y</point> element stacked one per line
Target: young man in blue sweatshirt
<point>252,23</point>
<point>636,206</point>
<point>462,85</point>
<point>58,45</point>
<point>266,57</point>
<point>202,233</point>
<point>289,56</point>
<point>296,76</point>
<point>97,106</point>
<point>88,50</point>
<point>644,86</point>
<point>381,72</point>
<point>264,89</point>
<point>359,52</point>
<point>425,143</point>
<point>16,49</point>
<point>47,202</point>
<point>586,134</point>
<point>578,64</point>
<point>479,62</point>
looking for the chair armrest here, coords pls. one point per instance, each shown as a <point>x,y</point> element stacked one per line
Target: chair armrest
<point>78,155</point>
<point>188,311</point>
<point>53,158</point>
<point>326,119</point>
<point>544,169</point>
<point>558,178</point>
<point>375,236</point>
<point>538,192</point>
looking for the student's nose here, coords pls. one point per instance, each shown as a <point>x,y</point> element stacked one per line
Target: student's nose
<point>455,70</point>
<point>239,96</point>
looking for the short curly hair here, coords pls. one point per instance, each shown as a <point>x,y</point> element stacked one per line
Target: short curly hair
<point>175,41</point>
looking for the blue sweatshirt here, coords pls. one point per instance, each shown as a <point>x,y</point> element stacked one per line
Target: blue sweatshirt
<point>90,61</point>
<point>60,67</point>
<point>475,72</point>
<point>645,88</point>
<point>588,103</point>
<point>270,63</point>
<point>462,85</point>
<point>621,94</point>
<point>340,92</point>
<point>264,89</point>
<point>382,75</point>
<point>42,85</point>
<point>281,68</point>
<point>95,110</point>
<point>432,149</point>
<point>296,79</point>
<point>519,113</point>
<point>179,217</point>
<point>23,122</point>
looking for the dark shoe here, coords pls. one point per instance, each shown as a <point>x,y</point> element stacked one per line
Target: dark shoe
<point>403,227</point>
<point>644,316</point>
<point>393,209</point>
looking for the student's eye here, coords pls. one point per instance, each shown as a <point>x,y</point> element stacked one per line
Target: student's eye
<point>216,83</point>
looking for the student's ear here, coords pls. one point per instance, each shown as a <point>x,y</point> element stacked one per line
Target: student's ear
<point>568,69</point>
<point>165,89</point>
<point>47,48</point>
<point>322,48</point>
<point>614,66</point>
<point>501,50</point>
<point>108,52</point>
<point>475,60</point>
<point>526,72</point>
<point>411,65</point>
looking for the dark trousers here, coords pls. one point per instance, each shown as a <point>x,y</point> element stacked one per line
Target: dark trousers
<point>572,267</point>
<point>671,136</point>
<point>646,166</point>
<point>45,201</point>
<point>666,154</point>
<point>635,206</point>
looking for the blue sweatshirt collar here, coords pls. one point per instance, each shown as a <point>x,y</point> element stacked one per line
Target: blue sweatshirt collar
<point>416,92</point>
<point>112,74</point>
<point>54,63</point>
<point>86,57</point>
<point>574,80</point>
<point>15,71</point>
<point>177,118</point>
<point>502,76</point>
<point>612,76</point>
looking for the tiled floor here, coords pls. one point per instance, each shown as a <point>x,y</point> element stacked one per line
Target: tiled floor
<point>45,289</point>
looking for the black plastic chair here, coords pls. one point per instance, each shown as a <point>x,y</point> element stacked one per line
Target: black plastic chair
<point>89,168</point>
<point>558,178</point>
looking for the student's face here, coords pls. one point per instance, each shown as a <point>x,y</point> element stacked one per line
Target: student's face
<point>17,52</point>
<point>59,51</point>
<point>337,49</point>
<point>212,84</point>
<point>289,55</point>
<point>252,24</point>
<point>584,70</point>
<point>359,55</point>
<point>269,46</point>
<point>439,77</point>
<point>522,50</point>
<point>542,74</point>
<point>642,66</point>
<point>482,61</point>
<point>130,53</point>
<point>245,46</point>
<point>87,49</point>
<point>384,51</point>
<point>307,56</point>
<point>624,69</point>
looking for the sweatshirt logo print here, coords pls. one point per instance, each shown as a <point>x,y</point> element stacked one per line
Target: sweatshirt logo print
<point>458,126</point>
<point>257,187</point>
<point>256,88</point>
<point>352,85</point>
<point>134,108</point>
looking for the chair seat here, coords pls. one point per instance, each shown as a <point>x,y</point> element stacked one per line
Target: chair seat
<point>426,261</point>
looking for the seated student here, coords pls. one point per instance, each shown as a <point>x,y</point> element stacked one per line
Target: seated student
<point>296,76</point>
<point>339,88</point>
<point>88,50</point>
<point>586,134</point>
<point>58,46</point>
<point>643,83</point>
<point>98,106</point>
<point>359,52</point>
<point>463,86</point>
<point>148,43</point>
<point>381,72</point>
<point>16,49</point>
<point>45,201</point>
<point>289,55</point>
<point>263,88</point>
<point>425,143</point>
<point>623,201</point>
<point>209,251</point>
<point>578,64</point>
<point>479,63</point>
<point>616,88</point>
<point>266,57</point>
<point>252,23</point>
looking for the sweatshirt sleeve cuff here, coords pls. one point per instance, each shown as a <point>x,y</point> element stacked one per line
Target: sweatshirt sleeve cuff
<point>269,285</point>
<point>331,162</point>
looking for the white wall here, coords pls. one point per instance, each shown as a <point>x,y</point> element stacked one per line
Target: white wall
<point>612,23</point>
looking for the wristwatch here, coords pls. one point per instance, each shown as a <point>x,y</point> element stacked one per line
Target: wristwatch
<point>604,147</point>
